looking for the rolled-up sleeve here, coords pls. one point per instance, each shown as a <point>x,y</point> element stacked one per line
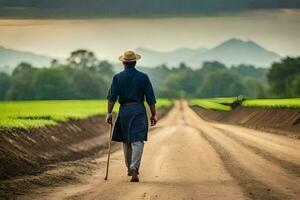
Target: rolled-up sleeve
<point>113,91</point>
<point>149,93</point>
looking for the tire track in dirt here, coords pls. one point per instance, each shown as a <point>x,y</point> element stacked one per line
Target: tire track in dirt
<point>251,187</point>
<point>260,168</point>
<point>287,165</point>
<point>265,138</point>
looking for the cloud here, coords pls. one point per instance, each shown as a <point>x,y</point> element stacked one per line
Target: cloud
<point>133,8</point>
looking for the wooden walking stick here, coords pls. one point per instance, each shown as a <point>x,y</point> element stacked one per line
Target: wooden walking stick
<point>109,146</point>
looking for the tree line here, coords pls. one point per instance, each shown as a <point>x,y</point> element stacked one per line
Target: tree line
<point>83,76</point>
<point>214,79</point>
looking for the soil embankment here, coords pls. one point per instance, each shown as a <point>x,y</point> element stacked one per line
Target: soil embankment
<point>52,154</point>
<point>276,120</point>
<point>29,151</point>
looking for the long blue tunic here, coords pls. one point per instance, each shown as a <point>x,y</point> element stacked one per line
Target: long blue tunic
<point>129,86</point>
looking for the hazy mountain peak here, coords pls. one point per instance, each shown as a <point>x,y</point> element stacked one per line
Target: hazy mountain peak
<point>254,44</point>
<point>10,57</point>
<point>230,52</point>
<point>234,40</point>
<point>235,52</point>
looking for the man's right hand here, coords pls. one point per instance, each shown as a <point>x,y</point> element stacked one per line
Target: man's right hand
<point>153,120</point>
<point>109,118</point>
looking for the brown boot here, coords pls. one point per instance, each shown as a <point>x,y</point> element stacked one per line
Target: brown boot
<point>134,175</point>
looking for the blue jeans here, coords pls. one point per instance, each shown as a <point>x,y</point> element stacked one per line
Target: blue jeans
<point>133,154</point>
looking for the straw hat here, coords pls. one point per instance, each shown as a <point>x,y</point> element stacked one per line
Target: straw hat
<point>129,56</point>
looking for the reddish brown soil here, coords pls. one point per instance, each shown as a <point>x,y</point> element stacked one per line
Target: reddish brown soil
<point>282,121</point>
<point>28,151</point>
<point>51,155</point>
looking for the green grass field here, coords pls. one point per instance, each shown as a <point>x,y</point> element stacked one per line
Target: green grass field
<point>273,103</point>
<point>217,103</point>
<point>33,114</point>
<point>214,103</point>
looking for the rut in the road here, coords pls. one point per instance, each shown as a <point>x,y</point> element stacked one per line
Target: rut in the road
<point>288,166</point>
<point>253,188</point>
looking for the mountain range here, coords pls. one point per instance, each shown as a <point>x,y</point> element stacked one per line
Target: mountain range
<point>230,52</point>
<point>9,58</point>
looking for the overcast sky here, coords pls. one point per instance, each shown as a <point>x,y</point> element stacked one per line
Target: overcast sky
<point>276,29</point>
<point>108,8</point>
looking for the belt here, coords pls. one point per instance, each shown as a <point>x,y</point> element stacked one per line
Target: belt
<point>132,103</point>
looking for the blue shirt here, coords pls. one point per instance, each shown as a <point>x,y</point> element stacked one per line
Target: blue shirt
<point>131,85</point>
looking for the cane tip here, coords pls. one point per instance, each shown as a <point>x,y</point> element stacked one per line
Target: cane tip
<point>105,178</point>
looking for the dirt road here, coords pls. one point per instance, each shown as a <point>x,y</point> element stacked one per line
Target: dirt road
<point>189,158</point>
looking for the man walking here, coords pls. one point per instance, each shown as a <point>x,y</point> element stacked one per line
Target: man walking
<point>131,87</point>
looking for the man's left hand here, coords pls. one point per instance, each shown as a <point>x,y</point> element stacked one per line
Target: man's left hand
<point>153,120</point>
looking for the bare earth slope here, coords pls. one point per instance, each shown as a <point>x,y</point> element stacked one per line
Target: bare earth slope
<point>284,121</point>
<point>189,158</point>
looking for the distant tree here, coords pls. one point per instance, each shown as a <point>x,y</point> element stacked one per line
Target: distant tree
<point>173,87</point>
<point>104,68</point>
<point>212,66</point>
<point>21,87</point>
<point>183,66</point>
<point>52,83</point>
<point>295,86</point>
<point>178,82</point>
<point>23,68</point>
<point>87,85</point>
<point>220,83</point>
<point>259,91</point>
<point>281,77</point>
<point>4,84</point>
<point>54,63</point>
<point>250,71</point>
<point>188,80</point>
<point>253,87</point>
<point>235,87</point>
<point>82,59</point>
